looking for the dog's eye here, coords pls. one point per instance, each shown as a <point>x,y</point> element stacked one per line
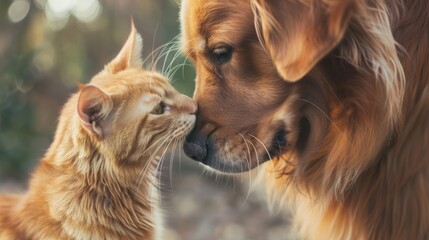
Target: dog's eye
<point>160,109</point>
<point>221,54</point>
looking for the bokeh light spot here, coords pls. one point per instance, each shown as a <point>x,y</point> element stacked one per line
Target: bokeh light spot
<point>18,10</point>
<point>87,11</point>
<point>61,8</point>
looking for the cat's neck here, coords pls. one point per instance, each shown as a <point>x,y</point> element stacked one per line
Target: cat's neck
<point>92,200</point>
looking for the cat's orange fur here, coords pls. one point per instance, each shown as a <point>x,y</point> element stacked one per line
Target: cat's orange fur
<point>96,181</point>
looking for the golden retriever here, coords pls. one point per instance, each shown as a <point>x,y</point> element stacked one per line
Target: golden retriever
<point>333,95</point>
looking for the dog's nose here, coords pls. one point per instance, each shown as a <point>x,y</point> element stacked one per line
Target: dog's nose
<point>195,146</point>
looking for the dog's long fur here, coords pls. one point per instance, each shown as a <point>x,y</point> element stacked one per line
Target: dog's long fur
<point>354,101</point>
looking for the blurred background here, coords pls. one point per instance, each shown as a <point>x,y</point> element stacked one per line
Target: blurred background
<point>48,46</point>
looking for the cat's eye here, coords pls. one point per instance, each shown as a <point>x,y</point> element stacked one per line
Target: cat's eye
<point>221,54</point>
<point>161,108</point>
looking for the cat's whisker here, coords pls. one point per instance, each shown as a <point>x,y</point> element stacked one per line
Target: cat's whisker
<point>172,47</point>
<point>157,141</point>
<point>160,48</point>
<point>171,162</point>
<point>186,58</point>
<point>165,56</point>
<point>160,163</point>
<point>151,158</point>
<point>176,68</point>
<point>157,170</point>
<point>158,56</point>
<point>161,53</point>
<point>155,54</point>
<point>175,57</point>
<point>184,61</point>
<point>153,40</point>
<point>180,158</point>
<point>123,163</point>
<point>172,72</point>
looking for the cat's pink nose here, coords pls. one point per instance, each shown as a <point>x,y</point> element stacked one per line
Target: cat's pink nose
<point>189,106</point>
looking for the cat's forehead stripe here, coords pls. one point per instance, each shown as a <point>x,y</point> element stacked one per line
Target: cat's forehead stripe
<point>155,90</point>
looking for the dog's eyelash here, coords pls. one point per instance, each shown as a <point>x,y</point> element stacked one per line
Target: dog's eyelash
<point>222,54</point>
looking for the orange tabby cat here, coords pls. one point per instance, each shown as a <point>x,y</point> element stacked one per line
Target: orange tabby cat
<point>96,181</point>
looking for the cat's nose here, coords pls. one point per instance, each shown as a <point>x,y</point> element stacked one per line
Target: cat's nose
<point>189,106</point>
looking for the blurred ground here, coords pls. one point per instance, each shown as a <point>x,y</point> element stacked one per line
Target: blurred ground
<point>48,46</point>
<point>204,206</point>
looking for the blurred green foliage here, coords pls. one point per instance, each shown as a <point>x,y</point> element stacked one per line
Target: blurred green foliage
<point>48,46</point>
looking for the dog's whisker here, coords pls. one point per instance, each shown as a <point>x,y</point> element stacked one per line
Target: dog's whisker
<point>248,159</point>
<point>250,180</point>
<point>263,145</point>
<point>257,155</point>
<point>266,150</point>
<point>325,114</point>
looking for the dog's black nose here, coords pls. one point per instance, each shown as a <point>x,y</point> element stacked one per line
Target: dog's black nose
<point>195,146</point>
<point>194,151</point>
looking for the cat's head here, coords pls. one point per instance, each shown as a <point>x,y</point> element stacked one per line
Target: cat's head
<point>130,114</point>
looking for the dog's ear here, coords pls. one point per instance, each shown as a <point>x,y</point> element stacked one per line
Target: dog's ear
<point>298,33</point>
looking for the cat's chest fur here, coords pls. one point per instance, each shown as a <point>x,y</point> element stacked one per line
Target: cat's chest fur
<point>104,210</point>
<point>67,206</point>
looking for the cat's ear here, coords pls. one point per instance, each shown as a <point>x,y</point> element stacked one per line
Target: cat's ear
<point>93,107</point>
<point>130,54</point>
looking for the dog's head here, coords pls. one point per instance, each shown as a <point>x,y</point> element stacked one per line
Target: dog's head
<point>272,81</point>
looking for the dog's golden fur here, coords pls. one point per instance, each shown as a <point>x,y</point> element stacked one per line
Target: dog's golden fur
<point>98,178</point>
<point>345,82</point>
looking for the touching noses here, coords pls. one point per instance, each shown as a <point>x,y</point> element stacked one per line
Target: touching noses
<point>189,106</point>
